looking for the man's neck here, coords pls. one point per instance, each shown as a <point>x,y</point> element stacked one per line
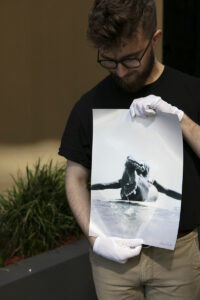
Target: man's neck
<point>156,72</point>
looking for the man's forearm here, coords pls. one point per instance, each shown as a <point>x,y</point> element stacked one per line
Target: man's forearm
<point>79,201</point>
<point>191,133</point>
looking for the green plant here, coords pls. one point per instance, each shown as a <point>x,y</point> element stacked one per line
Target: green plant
<point>34,213</point>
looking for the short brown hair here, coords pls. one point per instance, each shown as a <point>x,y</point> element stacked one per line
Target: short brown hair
<point>112,20</point>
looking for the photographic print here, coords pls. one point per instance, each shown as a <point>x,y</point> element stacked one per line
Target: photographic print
<point>137,172</point>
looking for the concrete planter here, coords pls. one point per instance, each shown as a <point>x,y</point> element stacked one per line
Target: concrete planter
<point>63,273</point>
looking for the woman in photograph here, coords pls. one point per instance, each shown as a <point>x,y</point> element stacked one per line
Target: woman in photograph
<point>135,184</point>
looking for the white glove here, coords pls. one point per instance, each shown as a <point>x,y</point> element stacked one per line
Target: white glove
<point>150,105</point>
<point>116,249</point>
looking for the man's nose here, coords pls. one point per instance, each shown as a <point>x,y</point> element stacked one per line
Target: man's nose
<point>121,70</point>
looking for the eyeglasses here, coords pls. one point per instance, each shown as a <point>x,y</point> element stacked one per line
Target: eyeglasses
<point>129,63</point>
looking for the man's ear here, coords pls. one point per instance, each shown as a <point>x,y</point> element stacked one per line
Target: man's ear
<point>156,38</point>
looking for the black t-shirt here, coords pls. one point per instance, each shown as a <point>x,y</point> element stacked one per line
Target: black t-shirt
<point>179,89</point>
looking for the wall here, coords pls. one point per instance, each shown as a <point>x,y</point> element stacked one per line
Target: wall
<point>46,64</point>
<point>43,61</point>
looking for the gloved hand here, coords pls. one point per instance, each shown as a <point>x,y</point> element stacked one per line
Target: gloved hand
<point>150,105</point>
<point>116,249</point>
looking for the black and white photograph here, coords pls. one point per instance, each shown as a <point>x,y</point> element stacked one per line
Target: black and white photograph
<point>136,183</point>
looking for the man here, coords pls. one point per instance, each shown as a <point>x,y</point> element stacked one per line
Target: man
<point>125,34</point>
<point>135,184</point>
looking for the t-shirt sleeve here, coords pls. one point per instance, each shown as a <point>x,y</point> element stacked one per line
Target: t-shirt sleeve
<point>75,144</point>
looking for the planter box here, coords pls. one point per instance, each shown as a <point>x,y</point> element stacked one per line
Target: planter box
<point>63,273</point>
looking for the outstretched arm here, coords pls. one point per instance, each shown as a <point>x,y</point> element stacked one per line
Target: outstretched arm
<point>103,186</point>
<point>167,192</point>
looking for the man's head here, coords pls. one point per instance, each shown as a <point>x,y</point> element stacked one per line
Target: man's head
<point>123,30</point>
<point>112,21</point>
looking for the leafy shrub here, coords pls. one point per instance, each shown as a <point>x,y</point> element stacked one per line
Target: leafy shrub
<point>34,213</point>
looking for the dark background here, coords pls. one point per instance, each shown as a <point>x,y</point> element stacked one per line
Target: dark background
<point>181,43</point>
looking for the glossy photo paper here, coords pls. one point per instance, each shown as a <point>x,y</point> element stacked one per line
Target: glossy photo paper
<point>137,173</point>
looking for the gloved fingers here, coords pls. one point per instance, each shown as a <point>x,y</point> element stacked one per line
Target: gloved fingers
<point>139,110</point>
<point>180,115</point>
<point>121,261</point>
<point>154,104</point>
<point>131,252</point>
<point>136,251</point>
<point>145,106</point>
<point>132,111</point>
<point>144,110</point>
<point>150,112</point>
<point>178,112</point>
<point>117,249</point>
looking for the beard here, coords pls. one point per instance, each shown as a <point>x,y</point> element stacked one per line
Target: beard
<point>138,82</point>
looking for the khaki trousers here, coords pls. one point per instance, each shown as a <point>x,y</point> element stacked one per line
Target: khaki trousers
<point>156,274</point>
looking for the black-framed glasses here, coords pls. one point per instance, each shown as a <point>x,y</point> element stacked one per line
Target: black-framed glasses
<point>129,63</point>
